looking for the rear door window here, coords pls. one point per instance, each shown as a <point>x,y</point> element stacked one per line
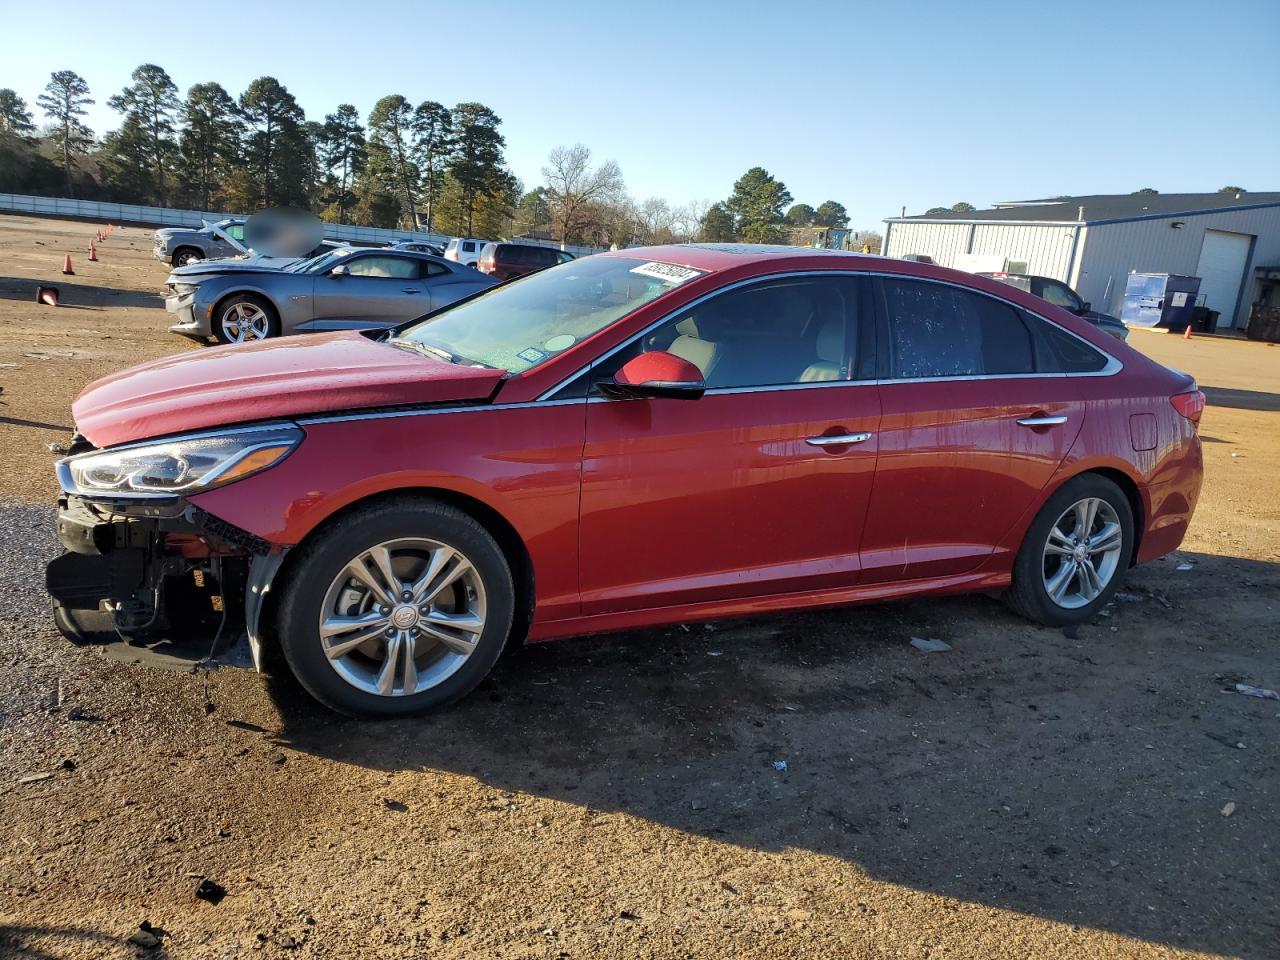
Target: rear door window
<point>940,330</point>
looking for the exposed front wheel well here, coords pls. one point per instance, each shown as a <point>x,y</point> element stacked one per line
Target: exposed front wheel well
<point>510,542</point>
<point>179,256</point>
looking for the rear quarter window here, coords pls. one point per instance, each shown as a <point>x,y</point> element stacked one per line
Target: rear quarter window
<point>1058,351</point>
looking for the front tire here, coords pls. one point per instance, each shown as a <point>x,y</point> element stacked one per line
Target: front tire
<point>1075,554</point>
<point>397,609</point>
<point>184,255</point>
<point>245,318</point>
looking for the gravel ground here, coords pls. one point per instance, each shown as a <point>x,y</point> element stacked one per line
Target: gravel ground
<point>1027,793</point>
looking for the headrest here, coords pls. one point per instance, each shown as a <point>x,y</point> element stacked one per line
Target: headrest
<point>831,341</point>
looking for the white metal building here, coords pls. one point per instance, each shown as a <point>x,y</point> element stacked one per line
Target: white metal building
<point>1093,243</point>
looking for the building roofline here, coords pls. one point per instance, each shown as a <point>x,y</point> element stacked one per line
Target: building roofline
<point>965,221</point>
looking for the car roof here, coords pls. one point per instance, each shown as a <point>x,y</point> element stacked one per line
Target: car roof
<point>722,256</point>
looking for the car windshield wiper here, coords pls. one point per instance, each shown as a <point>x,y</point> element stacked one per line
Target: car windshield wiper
<point>423,348</point>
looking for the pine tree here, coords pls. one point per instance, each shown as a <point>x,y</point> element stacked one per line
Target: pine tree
<point>150,106</point>
<point>210,141</point>
<point>64,100</point>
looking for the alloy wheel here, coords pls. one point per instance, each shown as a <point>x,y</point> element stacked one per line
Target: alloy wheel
<point>402,617</point>
<point>244,322</point>
<point>1082,552</point>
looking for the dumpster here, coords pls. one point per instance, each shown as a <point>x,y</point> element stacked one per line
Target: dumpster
<point>1163,300</point>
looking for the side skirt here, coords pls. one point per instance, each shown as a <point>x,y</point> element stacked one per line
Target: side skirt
<point>973,582</point>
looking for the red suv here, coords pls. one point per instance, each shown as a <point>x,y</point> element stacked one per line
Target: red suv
<point>506,260</point>
<point>643,437</point>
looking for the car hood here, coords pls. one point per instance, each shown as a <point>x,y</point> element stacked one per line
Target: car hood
<point>272,379</point>
<point>203,269</point>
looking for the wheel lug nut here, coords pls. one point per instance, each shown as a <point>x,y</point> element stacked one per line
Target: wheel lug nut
<point>406,595</point>
<point>384,610</point>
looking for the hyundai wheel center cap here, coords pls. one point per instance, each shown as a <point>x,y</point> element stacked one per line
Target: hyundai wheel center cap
<point>405,617</point>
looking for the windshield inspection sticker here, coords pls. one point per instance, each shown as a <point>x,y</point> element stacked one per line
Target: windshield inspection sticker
<point>531,355</point>
<point>666,272</point>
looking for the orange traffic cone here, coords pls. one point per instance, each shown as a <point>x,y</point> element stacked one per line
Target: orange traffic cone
<point>93,253</point>
<point>66,266</point>
<point>1186,334</point>
<point>48,295</point>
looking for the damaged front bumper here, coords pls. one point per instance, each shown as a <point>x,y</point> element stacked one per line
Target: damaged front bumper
<point>190,319</point>
<point>158,571</point>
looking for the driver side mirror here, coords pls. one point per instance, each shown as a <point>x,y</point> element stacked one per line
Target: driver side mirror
<point>1086,307</point>
<point>656,374</point>
<point>341,270</point>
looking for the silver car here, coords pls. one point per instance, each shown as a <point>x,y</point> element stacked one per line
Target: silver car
<point>350,288</point>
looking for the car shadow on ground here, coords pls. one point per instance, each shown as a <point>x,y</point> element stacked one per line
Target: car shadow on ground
<point>1076,776</point>
<point>1241,399</point>
<point>49,943</point>
<point>81,296</point>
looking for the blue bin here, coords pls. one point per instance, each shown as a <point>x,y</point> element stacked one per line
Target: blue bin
<point>1163,300</point>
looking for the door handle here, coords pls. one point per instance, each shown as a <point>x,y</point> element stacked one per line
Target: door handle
<point>410,290</point>
<point>837,440</point>
<point>1041,421</point>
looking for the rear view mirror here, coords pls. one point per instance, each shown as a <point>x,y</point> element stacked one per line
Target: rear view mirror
<point>656,374</point>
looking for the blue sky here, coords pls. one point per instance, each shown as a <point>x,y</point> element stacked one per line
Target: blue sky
<point>878,105</point>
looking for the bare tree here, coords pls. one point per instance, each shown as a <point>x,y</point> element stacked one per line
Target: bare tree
<point>573,189</point>
<point>656,220</point>
<point>688,220</point>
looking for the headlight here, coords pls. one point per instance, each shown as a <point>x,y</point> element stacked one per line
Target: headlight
<point>184,289</point>
<point>184,465</point>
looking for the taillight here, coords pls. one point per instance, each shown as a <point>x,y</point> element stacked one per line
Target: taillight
<point>1190,405</point>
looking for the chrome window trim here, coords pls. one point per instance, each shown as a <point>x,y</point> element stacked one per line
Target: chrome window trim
<point>1110,368</point>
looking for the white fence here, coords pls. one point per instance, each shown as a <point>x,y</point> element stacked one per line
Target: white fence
<point>102,212</point>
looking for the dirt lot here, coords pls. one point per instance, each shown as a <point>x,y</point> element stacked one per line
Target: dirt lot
<point>1027,794</point>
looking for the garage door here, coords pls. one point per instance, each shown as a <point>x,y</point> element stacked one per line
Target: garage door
<point>1223,258</point>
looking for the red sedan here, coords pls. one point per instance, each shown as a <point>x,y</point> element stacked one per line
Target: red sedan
<point>643,437</point>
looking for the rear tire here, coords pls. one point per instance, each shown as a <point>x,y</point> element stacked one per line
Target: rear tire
<point>1075,553</point>
<point>386,653</point>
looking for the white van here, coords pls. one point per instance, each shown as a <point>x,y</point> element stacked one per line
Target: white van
<point>464,250</point>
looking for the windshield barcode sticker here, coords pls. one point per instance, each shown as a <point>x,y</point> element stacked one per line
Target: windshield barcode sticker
<point>666,272</point>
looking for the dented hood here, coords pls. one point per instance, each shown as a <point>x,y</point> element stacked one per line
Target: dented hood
<point>287,377</point>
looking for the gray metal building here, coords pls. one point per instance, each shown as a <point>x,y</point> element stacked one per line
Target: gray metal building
<point>1093,243</point>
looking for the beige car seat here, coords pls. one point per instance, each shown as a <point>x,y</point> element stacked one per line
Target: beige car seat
<point>830,347</point>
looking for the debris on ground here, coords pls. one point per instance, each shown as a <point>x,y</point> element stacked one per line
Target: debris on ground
<point>1262,693</point>
<point>35,777</point>
<point>211,891</point>
<point>780,766</point>
<point>395,805</point>
<point>931,645</point>
<point>146,936</point>
<point>1229,809</point>
<point>1128,597</point>
<point>1184,566</point>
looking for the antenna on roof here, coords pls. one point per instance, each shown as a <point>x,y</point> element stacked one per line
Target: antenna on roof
<point>1080,212</point>
<point>904,211</point>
